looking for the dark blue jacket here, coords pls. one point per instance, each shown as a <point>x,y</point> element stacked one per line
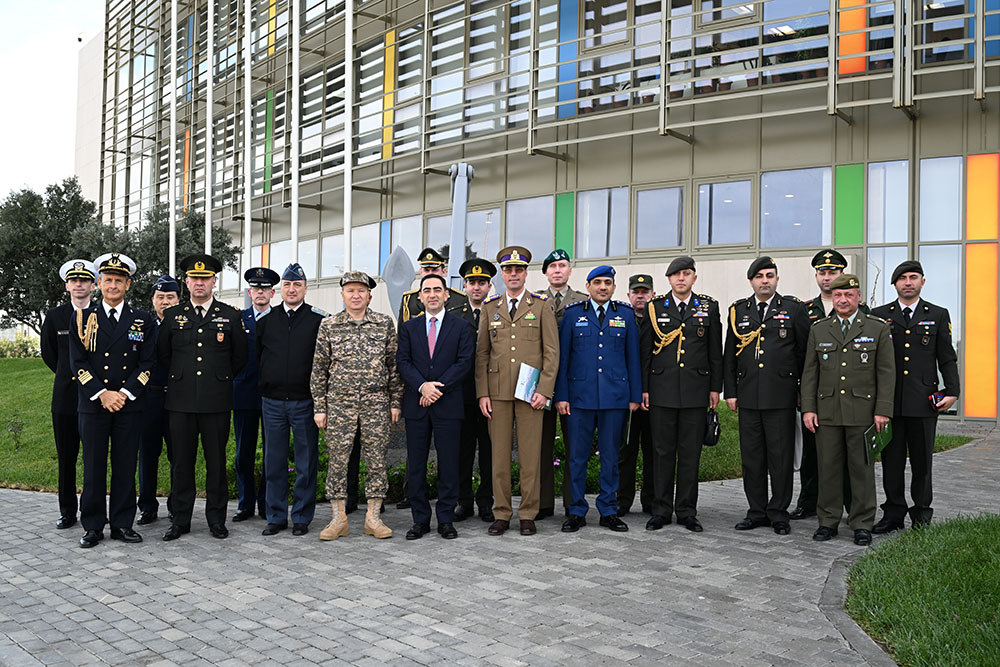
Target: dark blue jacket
<point>599,365</point>
<point>121,359</point>
<point>453,358</point>
<point>246,394</point>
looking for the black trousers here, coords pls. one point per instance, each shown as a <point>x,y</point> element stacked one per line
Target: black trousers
<point>913,436</point>
<point>185,427</point>
<point>767,448</point>
<point>547,467</point>
<point>154,432</point>
<point>475,438</point>
<point>122,431</point>
<point>809,475</point>
<point>447,437</point>
<point>636,436</point>
<point>678,434</point>
<point>252,496</point>
<point>66,429</point>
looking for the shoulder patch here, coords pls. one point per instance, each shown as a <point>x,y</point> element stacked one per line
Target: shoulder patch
<point>320,311</point>
<point>661,298</point>
<point>705,297</point>
<point>791,297</point>
<point>494,297</point>
<point>575,304</point>
<point>539,295</point>
<point>875,317</point>
<point>457,291</point>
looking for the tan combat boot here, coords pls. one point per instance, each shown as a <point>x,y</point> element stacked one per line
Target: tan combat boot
<point>373,520</point>
<point>338,525</point>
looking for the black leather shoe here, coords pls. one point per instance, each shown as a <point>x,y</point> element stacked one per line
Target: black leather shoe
<point>299,529</point>
<point>242,515</point>
<point>622,511</point>
<point>487,515</point>
<point>126,535</point>
<point>498,527</point>
<point>573,523</point>
<point>146,518</point>
<point>175,531</point>
<point>862,537</point>
<point>656,522</point>
<point>886,525</point>
<point>447,531</point>
<point>462,513</point>
<point>403,504</point>
<point>691,523</point>
<point>823,534</point>
<point>801,513</point>
<point>528,527</point>
<point>920,523</point>
<point>218,530</point>
<point>417,531</point>
<point>781,527</point>
<point>544,514</point>
<point>66,522</point>
<point>614,523</point>
<point>91,538</point>
<point>273,528</point>
<point>750,524</point>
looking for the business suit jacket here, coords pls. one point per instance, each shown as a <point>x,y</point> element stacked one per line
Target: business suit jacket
<point>768,380</point>
<point>847,380</point>
<point>504,343</point>
<point>920,350</point>
<point>56,329</point>
<point>202,356</point>
<point>246,393</point>
<point>123,358</point>
<point>453,354</point>
<point>599,363</point>
<point>681,374</point>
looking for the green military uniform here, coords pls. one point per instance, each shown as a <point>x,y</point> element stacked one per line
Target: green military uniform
<point>355,382</point>
<point>847,380</point>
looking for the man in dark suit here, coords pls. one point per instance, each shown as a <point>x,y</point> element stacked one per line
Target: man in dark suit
<point>434,358</point>
<point>475,428</point>
<point>78,274</point>
<point>247,416</point>
<point>681,346</point>
<point>166,294</point>
<point>285,346</point>
<point>921,338</point>
<point>765,388</point>
<point>111,354</point>
<point>597,386</point>
<point>203,345</point>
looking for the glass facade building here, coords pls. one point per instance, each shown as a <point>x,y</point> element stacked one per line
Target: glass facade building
<point>625,131</point>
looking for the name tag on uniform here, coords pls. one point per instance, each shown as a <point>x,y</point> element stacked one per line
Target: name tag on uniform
<point>583,324</point>
<point>662,319</point>
<point>495,323</point>
<point>826,346</point>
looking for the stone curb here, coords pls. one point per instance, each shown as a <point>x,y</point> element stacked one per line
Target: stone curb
<point>831,603</point>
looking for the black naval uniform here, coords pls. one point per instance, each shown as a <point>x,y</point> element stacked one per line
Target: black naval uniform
<point>681,364</point>
<point>922,345</point>
<point>202,355</point>
<point>808,472</point>
<point>120,359</point>
<point>59,323</point>
<point>763,366</point>
<point>155,431</point>
<point>475,436</point>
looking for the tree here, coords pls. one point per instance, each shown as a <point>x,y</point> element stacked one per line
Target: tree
<point>35,234</point>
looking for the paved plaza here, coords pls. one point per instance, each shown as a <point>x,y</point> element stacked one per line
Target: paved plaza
<point>668,597</point>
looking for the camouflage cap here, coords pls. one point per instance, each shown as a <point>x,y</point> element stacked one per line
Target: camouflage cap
<point>357,277</point>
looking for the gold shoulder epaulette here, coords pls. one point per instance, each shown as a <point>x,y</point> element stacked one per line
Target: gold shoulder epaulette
<point>705,297</point>
<point>875,317</point>
<point>496,296</point>
<point>457,291</point>
<point>540,295</point>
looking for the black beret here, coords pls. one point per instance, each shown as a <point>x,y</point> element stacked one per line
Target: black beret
<point>760,264</point>
<point>909,266</point>
<point>680,264</point>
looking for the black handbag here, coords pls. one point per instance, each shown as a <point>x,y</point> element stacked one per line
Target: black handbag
<point>713,429</point>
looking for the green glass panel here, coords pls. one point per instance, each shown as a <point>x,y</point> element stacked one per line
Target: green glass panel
<point>849,204</point>
<point>565,222</point>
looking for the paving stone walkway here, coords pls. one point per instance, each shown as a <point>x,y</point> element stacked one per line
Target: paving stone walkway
<point>591,598</point>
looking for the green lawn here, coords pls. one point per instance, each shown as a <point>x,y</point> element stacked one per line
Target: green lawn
<point>25,395</point>
<point>932,595</point>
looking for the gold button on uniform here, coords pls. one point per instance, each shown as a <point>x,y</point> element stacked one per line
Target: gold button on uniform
<point>600,370</point>
<point>907,331</point>
<point>760,365</point>
<point>105,382</point>
<point>906,345</point>
<point>105,368</point>
<point>843,377</point>
<point>906,358</point>
<point>513,361</point>
<point>682,364</point>
<point>107,354</point>
<point>198,373</point>
<point>906,372</point>
<point>512,349</point>
<point>200,330</point>
<point>842,391</point>
<point>199,358</point>
<point>199,344</point>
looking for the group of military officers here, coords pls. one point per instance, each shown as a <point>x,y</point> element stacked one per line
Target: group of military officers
<point>468,371</point>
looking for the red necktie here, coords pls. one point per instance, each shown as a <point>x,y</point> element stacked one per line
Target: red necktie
<point>432,336</point>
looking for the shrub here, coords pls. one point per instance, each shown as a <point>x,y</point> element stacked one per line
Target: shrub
<point>22,347</point>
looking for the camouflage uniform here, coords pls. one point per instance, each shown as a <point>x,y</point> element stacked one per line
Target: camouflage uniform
<point>354,379</point>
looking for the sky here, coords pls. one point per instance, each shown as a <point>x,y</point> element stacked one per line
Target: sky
<point>39,45</point>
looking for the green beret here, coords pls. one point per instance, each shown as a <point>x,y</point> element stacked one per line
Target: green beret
<point>554,256</point>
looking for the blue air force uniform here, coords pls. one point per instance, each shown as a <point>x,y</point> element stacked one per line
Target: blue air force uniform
<point>599,375</point>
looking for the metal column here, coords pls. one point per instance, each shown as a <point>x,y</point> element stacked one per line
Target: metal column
<point>348,127</point>
<point>172,152</point>
<point>209,134</point>
<point>247,132</point>
<point>296,34</point>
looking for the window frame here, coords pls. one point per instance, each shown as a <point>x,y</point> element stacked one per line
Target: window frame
<point>754,242</point>
<point>685,226</point>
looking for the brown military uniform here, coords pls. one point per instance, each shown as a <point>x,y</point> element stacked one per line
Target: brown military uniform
<point>504,343</point>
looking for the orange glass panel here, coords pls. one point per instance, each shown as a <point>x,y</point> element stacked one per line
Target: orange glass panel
<point>981,276</point>
<point>389,97</point>
<point>265,254</point>
<point>852,19</point>
<point>982,196</point>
